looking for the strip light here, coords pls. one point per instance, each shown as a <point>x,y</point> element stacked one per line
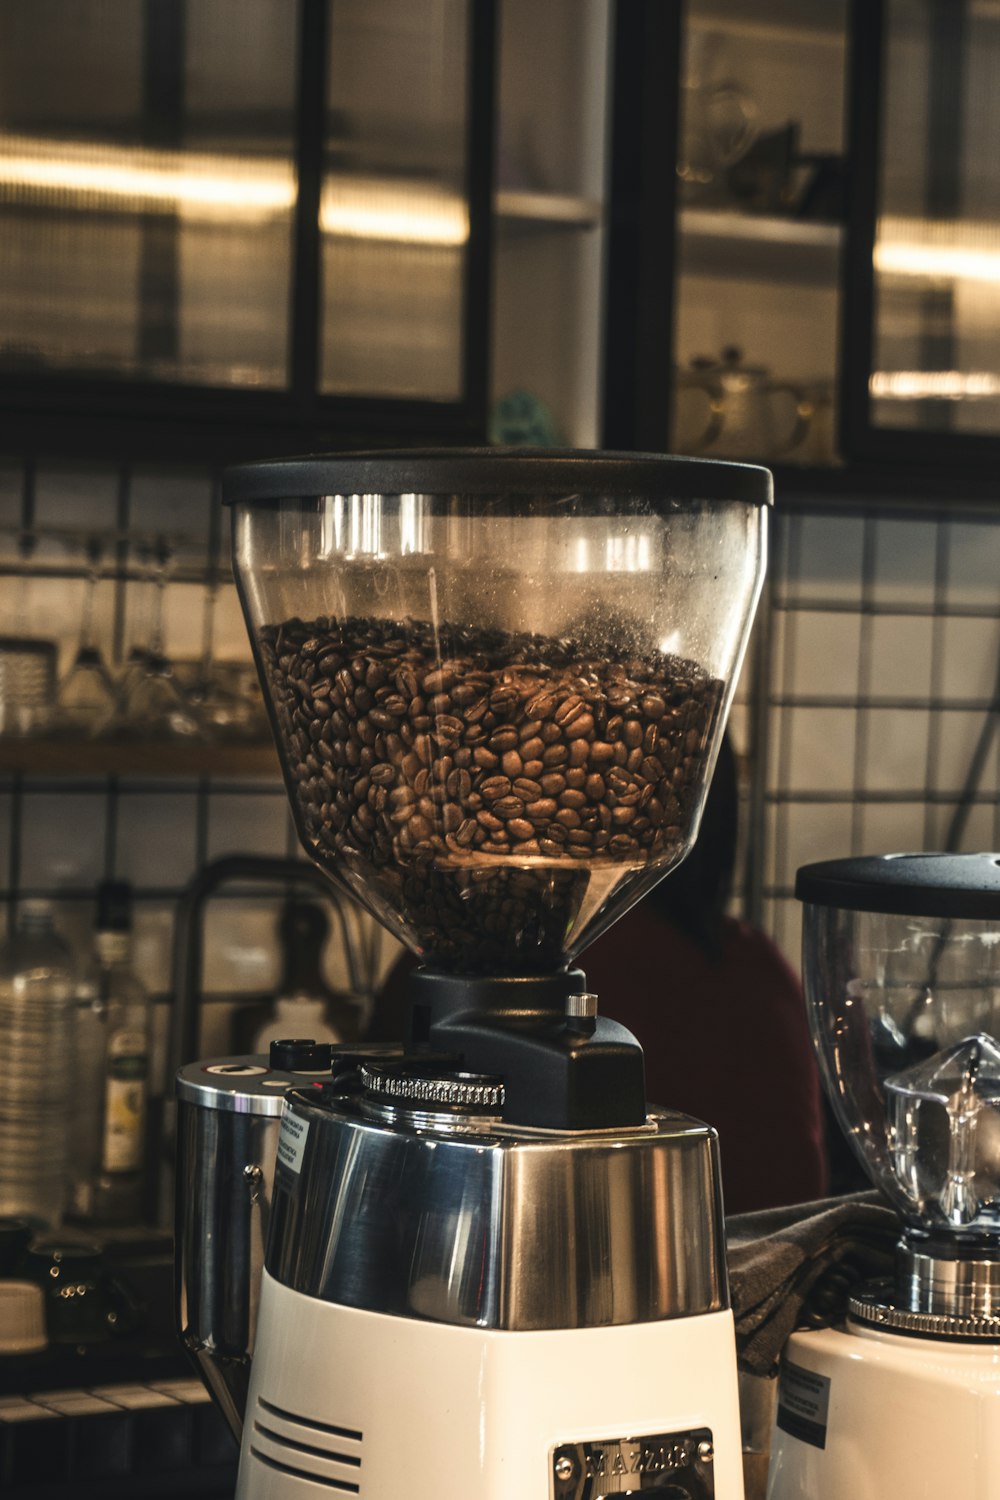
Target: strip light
<point>933,385</point>
<point>944,250</point>
<point>210,186</point>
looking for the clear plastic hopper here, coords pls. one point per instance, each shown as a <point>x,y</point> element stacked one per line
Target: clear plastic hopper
<point>497,680</point>
<point>901,965</point>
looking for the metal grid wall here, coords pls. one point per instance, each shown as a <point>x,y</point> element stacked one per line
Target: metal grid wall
<point>60,834</point>
<point>875,693</point>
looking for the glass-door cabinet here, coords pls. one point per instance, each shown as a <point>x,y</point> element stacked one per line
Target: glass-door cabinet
<point>761,177</point>
<point>240,226</point>
<point>922,347</point>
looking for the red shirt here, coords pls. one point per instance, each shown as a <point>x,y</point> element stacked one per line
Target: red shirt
<point>725,1039</point>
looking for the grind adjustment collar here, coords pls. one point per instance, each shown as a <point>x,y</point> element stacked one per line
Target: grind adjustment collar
<point>414,1086</point>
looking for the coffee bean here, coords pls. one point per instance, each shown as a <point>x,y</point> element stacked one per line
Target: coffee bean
<point>572,799</point>
<point>542,810</point>
<point>542,706</point>
<point>569,710</point>
<point>435,772</point>
<point>508,807</point>
<point>495,787</point>
<point>503,740</point>
<point>520,828</point>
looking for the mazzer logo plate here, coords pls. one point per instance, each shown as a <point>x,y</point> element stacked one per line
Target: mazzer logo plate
<point>669,1465</point>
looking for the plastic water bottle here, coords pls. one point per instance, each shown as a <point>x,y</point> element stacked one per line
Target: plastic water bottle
<point>37,1046</point>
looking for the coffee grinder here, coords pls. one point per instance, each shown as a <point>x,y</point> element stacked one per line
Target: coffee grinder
<point>497,683</point>
<point>901,964</point>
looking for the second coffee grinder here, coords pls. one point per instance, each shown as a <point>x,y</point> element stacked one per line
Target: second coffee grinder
<point>497,683</point>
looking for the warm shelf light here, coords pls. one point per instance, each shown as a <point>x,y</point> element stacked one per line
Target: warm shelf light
<point>944,250</point>
<point>933,385</point>
<point>198,185</point>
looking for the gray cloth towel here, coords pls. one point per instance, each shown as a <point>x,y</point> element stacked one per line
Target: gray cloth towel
<point>793,1267</point>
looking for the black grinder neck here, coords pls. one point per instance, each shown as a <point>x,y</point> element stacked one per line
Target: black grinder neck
<point>563,1067</point>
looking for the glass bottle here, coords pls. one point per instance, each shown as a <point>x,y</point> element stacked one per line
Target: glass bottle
<point>37,1045</point>
<point>305,1004</point>
<point>118,1167</point>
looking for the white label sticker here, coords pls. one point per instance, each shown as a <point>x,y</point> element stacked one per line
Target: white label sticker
<point>292,1140</point>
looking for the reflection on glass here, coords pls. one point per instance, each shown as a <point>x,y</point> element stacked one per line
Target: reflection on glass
<point>937,247</point>
<point>147,188</point>
<point>393,209</point>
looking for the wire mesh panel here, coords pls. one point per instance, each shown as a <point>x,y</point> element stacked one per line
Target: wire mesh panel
<point>881,693</point>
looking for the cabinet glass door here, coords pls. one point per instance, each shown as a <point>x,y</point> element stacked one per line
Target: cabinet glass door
<point>761,197</point>
<point>240,228</point>
<point>147,189</point>
<point>935,258</point>
<point>393,212</point>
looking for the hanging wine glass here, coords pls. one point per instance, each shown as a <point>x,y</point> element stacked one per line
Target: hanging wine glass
<point>152,704</point>
<point>219,689</point>
<point>140,596</point>
<point>87,699</point>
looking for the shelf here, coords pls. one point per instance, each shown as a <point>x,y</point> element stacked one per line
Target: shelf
<point>55,757</point>
<point>531,210</point>
<point>723,242</point>
<point>788,22</point>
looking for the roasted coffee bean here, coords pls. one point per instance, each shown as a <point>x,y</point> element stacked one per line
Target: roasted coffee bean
<point>542,706</point>
<point>494,787</point>
<point>569,710</point>
<point>508,807</point>
<point>459,785</point>
<point>543,810</point>
<point>503,740</point>
<point>435,771</point>
<point>569,798</point>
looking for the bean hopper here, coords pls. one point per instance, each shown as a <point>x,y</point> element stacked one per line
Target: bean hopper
<point>901,963</point>
<point>497,682</point>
